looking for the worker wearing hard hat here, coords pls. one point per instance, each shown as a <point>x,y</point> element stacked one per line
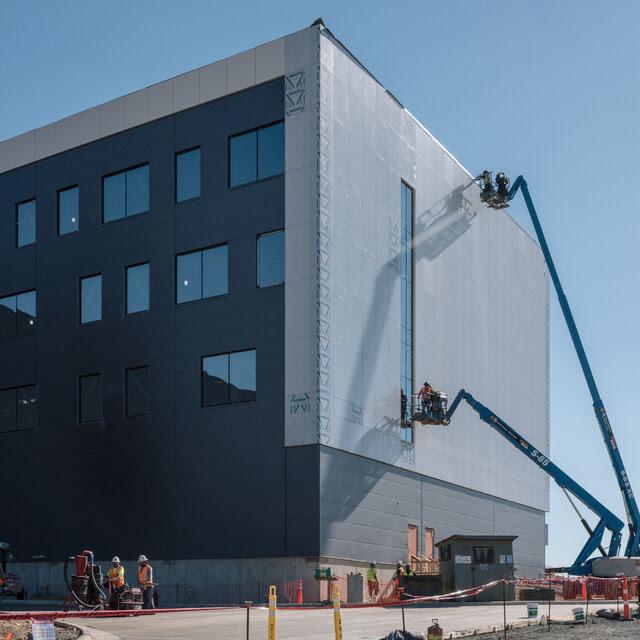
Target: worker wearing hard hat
<point>115,576</point>
<point>145,578</point>
<point>372,580</point>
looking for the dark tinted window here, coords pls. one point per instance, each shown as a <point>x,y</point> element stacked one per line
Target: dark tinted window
<point>137,388</point>
<point>271,259</point>
<point>26,413</point>
<point>90,397</point>
<point>8,317</point>
<point>187,175</point>
<point>202,274</point>
<point>229,378</point>
<point>18,315</point>
<point>91,299</point>
<point>26,223</point>
<point>125,193</point>
<point>138,288</point>
<point>215,380</point>
<point>271,151</point>
<point>7,410</point>
<point>68,210</point>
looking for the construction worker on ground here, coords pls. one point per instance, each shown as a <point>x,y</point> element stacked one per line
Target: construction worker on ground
<point>408,571</point>
<point>426,398</point>
<point>115,576</point>
<point>372,580</point>
<point>503,185</point>
<point>145,578</point>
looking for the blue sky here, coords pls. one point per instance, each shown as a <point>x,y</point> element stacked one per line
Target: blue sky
<point>544,88</point>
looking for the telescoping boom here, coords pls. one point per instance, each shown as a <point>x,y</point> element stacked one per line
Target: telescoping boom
<point>499,198</point>
<point>607,520</point>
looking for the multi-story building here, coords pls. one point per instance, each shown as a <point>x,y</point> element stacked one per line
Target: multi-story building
<point>211,294</point>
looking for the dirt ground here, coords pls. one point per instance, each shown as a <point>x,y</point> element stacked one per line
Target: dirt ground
<point>594,629</point>
<point>21,630</point>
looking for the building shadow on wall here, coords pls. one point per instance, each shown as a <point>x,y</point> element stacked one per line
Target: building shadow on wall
<point>435,229</point>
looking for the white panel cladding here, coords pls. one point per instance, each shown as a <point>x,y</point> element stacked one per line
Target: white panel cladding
<point>481,295</point>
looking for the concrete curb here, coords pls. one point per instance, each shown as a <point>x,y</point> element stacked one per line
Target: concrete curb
<point>88,633</point>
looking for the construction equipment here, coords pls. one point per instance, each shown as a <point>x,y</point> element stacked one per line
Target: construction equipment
<point>498,200</point>
<point>12,584</point>
<point>607,520</point>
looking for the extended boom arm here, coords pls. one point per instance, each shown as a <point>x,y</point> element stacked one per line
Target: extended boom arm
<point>607,519</point>
<point>631,507</point>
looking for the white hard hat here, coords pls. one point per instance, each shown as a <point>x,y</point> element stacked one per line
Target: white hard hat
<point>142,558</point>
<point>115,559</point>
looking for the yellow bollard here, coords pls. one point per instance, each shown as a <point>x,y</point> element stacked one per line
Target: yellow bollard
<point>337,620</point>
<point>272,613</point>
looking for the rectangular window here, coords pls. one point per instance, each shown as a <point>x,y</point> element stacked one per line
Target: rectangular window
<point>137,391</point>
<point>125,194</point>
<point>90,299</point>
<point>68,210</point>
<point>138,288</point>
<point>256,155</point>
<point>18,315</point>
<point>18,409</point>
<point>271,259</point>
<point>90,405</point>
<point>202,274</point>
<point>187,175</point>
<point>26,223</point>
<point>406,312</point>
<point>229,378</point>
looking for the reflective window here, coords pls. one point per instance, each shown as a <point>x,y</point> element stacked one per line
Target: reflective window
<point>271,259</point>
<point>256,155</point>
<point>26,223</point>
<point>187,175</point>
<point>18,315</point>
<point>406,311</point>
<point>90,404</point>
<point>271,151</point>
<point>90,299</point>
<point>138,288</point>
<point>125,193</point>
<point>229,378</point>
<point>68,210</point>
<point>202,274</point>
<point>18,409</point>
<point>137,391</point>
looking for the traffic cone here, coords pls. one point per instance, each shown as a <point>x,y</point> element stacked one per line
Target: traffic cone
<point>625,599</point>
<point>584,589</point>
<point>299,598</point>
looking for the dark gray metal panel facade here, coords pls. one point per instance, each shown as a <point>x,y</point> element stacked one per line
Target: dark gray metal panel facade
<point>366,507</point>
<point>185,481</point>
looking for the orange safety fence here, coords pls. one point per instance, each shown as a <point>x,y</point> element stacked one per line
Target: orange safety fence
<point>575,588</point>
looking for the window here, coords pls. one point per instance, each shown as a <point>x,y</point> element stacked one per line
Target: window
<point>26,223</point>
<point>138,288</point>
<point>68,214</point>
<point>202,274</point>
<point>229,378</point>
<point>187,175</point>
<point>256,155</point>
<point>406,312</point>
<point>271,259</point>
<point>18,409</point>
<point>90,299</point>
<point>18,315</point>
<point>125,194</point>
<point>90,405</point>
<point>137,391</point>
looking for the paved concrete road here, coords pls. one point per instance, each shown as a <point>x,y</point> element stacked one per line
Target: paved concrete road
<point>357,624</point>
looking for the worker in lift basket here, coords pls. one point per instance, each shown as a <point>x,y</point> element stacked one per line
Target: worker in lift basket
<point>372,580</point>
<point>426,397</point>
<point>115,576</point>
<point>487,184</point>
<point>145,578</point>
<point>503,185</point>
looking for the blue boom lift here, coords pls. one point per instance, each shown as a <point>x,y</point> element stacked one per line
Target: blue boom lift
<point>437,413</point>
<point>498,198</point>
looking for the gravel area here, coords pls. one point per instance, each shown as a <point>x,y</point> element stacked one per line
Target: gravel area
<point>21,630</point>
<point>594,629</point>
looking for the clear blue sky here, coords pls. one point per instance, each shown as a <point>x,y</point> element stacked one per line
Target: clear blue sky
<point>545,88</point>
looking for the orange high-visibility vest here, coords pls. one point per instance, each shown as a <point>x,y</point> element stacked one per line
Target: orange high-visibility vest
<point>145,575</point>
<point>116,574</point>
